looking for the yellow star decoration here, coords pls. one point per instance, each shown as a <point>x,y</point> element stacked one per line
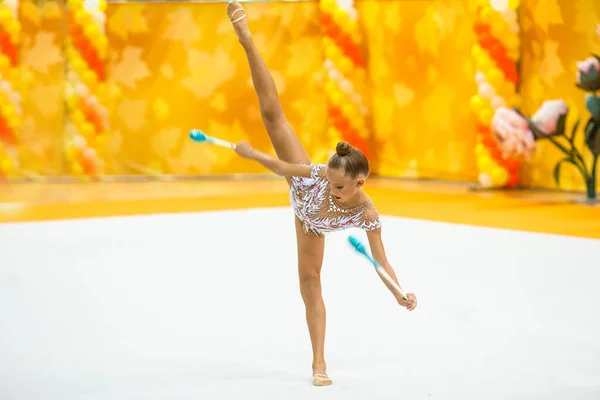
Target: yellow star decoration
<point>207,72</point>
<point>128,19</point>
<point>133,114</point>
<point>551,66</point>
<point>30,12</point>
<point>52,10</point>
<point>384,108</point>
<point>44,54</point>
<point>48,99</point>
<point>224,27</point>
<point>586,21</point>
<point>380,69</point>
<point>295,16</point>
<point>253,113</point>
<point>160,108</point>
<point>219,102</point>
<point>267,46</point>
<point>437,107</point>
<point>547,12</point>
<point>167,71</point>
<point>314,122</point>
<point>392,17</point>
<point>427,32</point>
<point>130,69</point>
<point>432,74</point>
<point>165,141</point>
<point>182,27</point>
<point>115,142</point>
<point>403,95</point>
<point>445,18</point>
<point>302,58</point>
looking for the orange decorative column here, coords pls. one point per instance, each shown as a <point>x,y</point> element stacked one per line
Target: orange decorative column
<point>11,111</point>
<point>496,54</point>
<point>345,74</point>
<point>86,88</point>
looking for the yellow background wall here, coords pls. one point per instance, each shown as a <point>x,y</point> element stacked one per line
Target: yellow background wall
<point>173,67</point>
<point>42,89</point>
<point>421,78</point>
<point>180,67</point>
<point>556,34</point>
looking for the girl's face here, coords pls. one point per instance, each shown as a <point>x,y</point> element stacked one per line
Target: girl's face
<point>343,188</point>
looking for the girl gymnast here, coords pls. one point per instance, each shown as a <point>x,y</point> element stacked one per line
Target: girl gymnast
<point>324,198</point>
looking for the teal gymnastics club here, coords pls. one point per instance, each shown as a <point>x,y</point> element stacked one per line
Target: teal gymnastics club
<point>359,247</point>
<point>198,136</point>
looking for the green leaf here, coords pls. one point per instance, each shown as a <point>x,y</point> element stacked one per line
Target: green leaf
<point>592,138</point>
<point>557,168</point>
<point>592,103</point>
<point>561,124</point>
<point>587,126</point>
<point>574,132</point>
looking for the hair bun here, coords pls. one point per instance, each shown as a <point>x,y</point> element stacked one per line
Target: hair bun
<point>343,149</point>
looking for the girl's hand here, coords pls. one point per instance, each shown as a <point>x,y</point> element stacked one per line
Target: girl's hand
<point>244,149</point>
<point>410,304</point>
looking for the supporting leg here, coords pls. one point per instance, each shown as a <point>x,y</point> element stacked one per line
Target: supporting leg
<point>310,259</point>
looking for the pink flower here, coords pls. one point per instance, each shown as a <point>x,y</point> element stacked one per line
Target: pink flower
<point>584,67</point>
<point>512,133</point>
<point>546,118</point>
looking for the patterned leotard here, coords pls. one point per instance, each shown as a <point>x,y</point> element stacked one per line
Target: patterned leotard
<point>314,205</point>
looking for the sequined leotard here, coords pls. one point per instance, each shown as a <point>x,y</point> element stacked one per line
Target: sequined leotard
<point>315,206</point>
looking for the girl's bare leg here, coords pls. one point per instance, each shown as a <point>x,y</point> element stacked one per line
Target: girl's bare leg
<point>287,145</point>
<point>310,259</point>
<point>288,148</point>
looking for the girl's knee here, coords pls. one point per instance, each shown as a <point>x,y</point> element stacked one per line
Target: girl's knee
<point>310,283</point>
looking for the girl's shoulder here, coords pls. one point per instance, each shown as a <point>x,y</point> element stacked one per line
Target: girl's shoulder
<point>319,171</point>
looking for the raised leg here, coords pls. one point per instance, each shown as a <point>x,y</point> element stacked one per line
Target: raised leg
<point>287,145</point>
<point>310,259</point>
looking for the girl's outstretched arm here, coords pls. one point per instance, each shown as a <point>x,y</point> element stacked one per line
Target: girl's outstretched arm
<point>279,167</point>
<point>378,252</point>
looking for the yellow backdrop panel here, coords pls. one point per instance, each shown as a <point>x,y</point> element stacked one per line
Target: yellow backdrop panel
<point>175,67</point>
<point>421,79</point>
<point>180,66</point>
<point>556,34</point>
<point>42,88</point>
